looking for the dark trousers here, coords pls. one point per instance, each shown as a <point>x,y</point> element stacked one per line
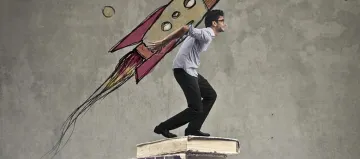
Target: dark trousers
<point>200,97</point>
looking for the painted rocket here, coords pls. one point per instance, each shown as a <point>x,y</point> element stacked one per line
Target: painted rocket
<point>140,61</point>
<point>158,25</point>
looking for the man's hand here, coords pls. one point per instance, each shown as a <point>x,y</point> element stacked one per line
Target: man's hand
<point>157,45</point>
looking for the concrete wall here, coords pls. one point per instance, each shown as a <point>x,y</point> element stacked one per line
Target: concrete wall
<point>286,73</point>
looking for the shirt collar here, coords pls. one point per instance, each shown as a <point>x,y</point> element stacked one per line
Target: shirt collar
<point>212,33</point>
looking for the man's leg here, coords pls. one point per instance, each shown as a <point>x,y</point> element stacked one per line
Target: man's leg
<point>209,96</point>
<point>191,89</point>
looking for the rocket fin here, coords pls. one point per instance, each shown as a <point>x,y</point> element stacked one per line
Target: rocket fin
<point>147,66</point>
<point>210,3</point>
<point>138,33</point>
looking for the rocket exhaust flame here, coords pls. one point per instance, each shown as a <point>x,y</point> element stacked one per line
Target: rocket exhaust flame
<point>124,70</point>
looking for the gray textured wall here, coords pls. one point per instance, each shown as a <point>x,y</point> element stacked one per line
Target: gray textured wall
<point>286,73</point>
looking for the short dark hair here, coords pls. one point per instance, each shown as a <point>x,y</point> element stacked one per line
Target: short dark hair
<point>212,15</point>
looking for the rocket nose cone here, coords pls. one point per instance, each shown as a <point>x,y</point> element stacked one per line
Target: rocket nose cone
<point>210,3</point>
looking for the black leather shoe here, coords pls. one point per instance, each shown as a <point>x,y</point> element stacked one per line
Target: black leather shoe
<point>196,133</point>
<point>164,132</point>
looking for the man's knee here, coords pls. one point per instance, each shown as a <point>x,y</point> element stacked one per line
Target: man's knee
<point>212,95</point>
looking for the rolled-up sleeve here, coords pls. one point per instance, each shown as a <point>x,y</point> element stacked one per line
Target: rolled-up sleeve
<point>199,34</point>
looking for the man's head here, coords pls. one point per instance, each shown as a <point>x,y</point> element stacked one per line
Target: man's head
<point>215,19</point>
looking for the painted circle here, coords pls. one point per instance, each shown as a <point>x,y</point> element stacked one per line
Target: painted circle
<point>176,14</point>
<point>166,26</point>
<point>189,3</point>
<point>108,11</point>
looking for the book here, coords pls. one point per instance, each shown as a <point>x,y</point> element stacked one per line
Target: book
<point>187,156</point>
<point>188,145</point>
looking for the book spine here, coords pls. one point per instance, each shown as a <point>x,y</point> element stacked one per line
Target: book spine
<point>164,157</point>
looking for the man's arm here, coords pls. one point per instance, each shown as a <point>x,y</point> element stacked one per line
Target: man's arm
<point>198,34</point>
<point>174,35</point>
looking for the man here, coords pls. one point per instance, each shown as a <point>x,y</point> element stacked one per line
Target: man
<point>199,93</point>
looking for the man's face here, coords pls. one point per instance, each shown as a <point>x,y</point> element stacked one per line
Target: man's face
<point>220,25</point>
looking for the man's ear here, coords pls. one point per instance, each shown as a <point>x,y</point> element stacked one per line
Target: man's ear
<point>214,23</point>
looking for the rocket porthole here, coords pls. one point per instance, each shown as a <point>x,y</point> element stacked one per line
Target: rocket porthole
<point>189,3</point>
<point>166,26</point>
<point>176,14</point>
